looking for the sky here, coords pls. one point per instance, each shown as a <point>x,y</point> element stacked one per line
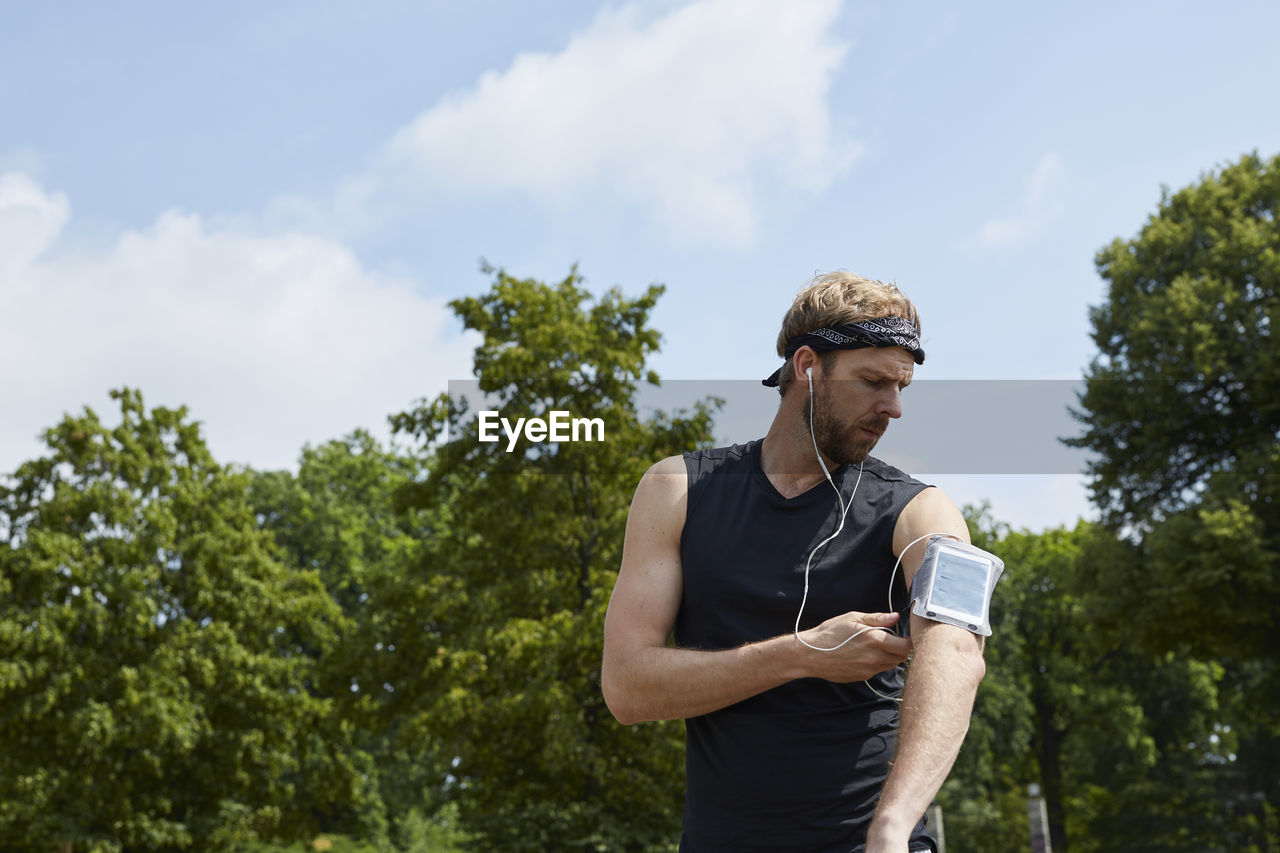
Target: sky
<point>261,210</point>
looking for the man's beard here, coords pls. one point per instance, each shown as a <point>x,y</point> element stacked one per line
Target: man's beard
<point>842,443</point>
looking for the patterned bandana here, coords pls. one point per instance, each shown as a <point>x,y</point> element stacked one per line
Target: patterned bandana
<point>881,332</point>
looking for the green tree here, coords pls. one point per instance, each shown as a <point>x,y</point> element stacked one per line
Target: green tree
<point>512,591</point>
<point>1121,743</point>
<point>154,683</point>
<point>1181,411</point>
<point>1183,386</point>
<point>1180,407</point>
<point>338,516</point>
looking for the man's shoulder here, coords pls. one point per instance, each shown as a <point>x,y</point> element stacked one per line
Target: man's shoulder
<point>882,470</point>
<point>709,459</point>
<point>685,472</point>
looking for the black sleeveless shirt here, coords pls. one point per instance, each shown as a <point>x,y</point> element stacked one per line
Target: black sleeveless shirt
<point>798,767</point>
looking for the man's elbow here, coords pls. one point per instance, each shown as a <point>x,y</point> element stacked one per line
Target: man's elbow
<point>961,649</point>
<point>623,711</point>
<point>620,701</point>
<point>976,667</point>
<point>968,660</point>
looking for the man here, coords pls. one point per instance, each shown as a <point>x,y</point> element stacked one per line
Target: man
<point>775,578</point>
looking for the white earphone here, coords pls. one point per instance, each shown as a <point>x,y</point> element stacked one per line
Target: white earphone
<point>844,511</point>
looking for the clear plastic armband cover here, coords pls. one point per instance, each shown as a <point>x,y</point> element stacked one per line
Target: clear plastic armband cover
<point>954,584</point>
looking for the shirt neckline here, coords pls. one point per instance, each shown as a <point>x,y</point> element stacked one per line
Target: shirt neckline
<point>806,498</point>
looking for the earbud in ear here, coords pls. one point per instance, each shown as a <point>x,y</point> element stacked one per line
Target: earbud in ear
<point>808,371</point>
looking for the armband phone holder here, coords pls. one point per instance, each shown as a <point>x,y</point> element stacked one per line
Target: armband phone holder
<point>954,584</point>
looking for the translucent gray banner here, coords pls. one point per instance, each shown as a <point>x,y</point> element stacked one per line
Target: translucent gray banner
<point>947,426</point>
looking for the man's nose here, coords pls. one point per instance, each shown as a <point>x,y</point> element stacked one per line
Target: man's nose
<point>891,402</point>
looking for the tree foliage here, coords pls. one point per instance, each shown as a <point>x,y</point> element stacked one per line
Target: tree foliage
<point>154,684</point>
<point>1181,412</point>
<point>1125,747</point>
<point>522,570</point>
<point>1183,388</point>
<point>338,517</point>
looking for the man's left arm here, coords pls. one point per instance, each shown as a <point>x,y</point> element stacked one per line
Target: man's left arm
<point>941,684</point>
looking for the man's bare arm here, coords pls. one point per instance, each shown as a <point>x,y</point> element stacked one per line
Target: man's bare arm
<point>645,679</point>
<point>941,685</point>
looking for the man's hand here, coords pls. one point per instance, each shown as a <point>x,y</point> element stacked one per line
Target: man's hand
<point>851,647</point>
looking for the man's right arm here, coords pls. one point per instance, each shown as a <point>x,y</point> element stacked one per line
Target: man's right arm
<point>645,679</point>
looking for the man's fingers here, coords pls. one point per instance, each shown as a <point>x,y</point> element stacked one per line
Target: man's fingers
<point>890,644</point>
<point>879,620</point>
<point>897,646</point>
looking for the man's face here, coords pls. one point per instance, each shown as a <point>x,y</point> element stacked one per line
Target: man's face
<point>855,398</point>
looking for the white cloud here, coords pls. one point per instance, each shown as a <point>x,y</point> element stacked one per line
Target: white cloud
<point>30,221</point>
<point>1042,202</point>
<point>272,340</point>
<point>698,116</point>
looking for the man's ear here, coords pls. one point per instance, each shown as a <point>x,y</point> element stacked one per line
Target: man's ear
<point>803,360</point>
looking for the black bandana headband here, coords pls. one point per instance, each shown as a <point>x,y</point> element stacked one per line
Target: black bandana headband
<point>880,332</point>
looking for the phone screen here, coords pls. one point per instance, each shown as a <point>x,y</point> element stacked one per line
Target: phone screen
<point>960,583</point>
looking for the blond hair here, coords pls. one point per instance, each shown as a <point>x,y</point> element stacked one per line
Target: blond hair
<point>839,297</point>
